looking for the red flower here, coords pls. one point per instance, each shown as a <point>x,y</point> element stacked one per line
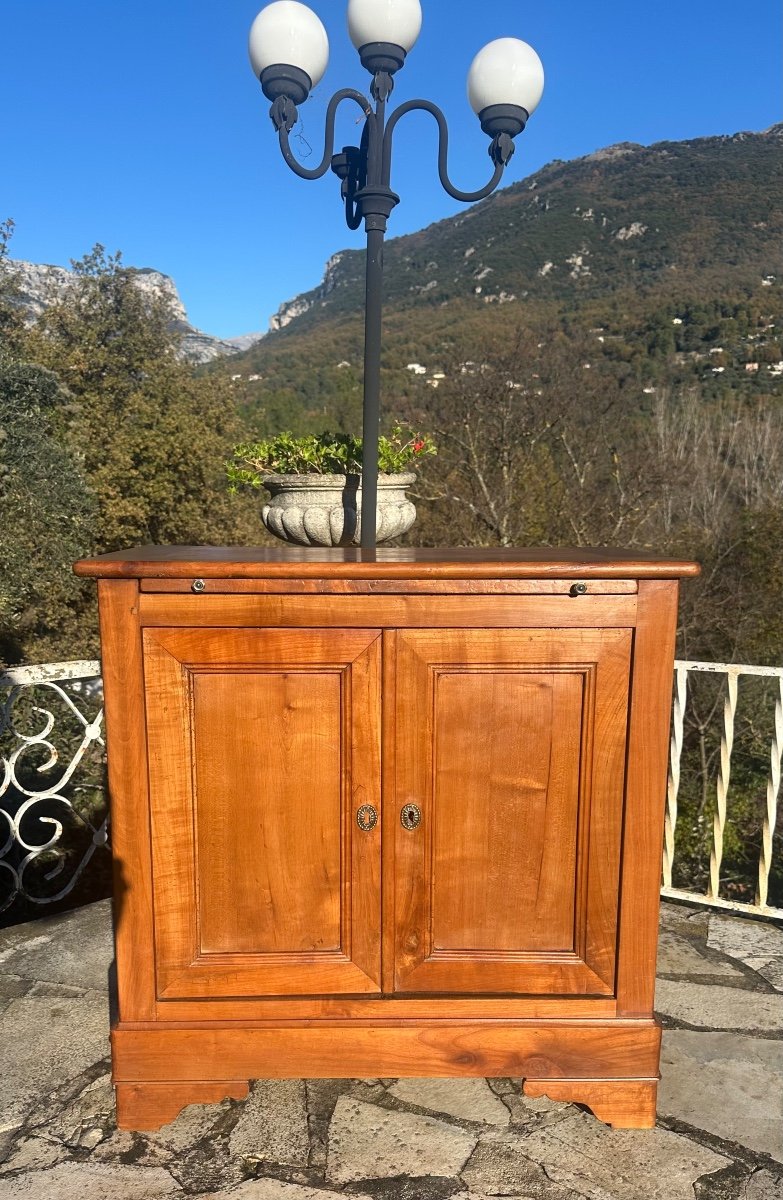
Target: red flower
<point>418,445</point>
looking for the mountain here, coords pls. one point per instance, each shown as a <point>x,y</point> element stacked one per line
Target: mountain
<point>41,286</point>
<point>620,241</point>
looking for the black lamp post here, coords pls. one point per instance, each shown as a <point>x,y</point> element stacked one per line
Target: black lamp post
<point>289,52</point>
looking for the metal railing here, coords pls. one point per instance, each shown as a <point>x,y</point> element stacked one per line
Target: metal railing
<point>46,739</point>
<point>727,699</point>
<point>36,806</point>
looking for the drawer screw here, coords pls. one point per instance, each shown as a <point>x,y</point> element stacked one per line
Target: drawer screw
<point>198,585</point>
<point>578,589</point>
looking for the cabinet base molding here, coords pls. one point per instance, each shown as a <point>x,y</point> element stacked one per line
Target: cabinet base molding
<point>147,1106</point>
<point>621,1103</point>
<point>611,1066</point>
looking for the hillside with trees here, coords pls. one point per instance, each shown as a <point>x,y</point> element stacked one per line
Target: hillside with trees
<point>667,253</point>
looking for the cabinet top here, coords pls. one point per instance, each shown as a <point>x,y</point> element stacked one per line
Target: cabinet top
<point>261,562</point>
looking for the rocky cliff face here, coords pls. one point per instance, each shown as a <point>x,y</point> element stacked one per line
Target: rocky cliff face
<point>291,309</point>
<point>41,285</point>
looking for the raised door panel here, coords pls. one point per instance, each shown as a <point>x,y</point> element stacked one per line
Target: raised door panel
<point>267,811</point>
<point>263,745</point>
<point>505,809</point>
<point>512,748</point>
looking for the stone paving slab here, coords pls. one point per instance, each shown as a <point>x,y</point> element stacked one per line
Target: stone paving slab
<point>677,955</point>
<point>469,1099</point>
<point>366,1142</point>
<point>772,971</point>
<point>274,1189</point>
<point>744,939</point>
<point>34,1154</point>
<point>91,1181</point>
<point>764,1185</point>
<point>82,1121</point>
<point>758,945</point>
<point>501,1165</point>
<point>74,948</point>
<point>712,1007</point>
<point>272,1126</point>
<point>692,922</point>
<point>11,988</point>
<point>46,1040</point>
<point>609,1164</point>
<point>728,1085</point>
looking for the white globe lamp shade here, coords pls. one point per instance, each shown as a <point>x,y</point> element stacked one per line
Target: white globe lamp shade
<point>506,71</point>
<point>395,22</point>
<point>290,34</point>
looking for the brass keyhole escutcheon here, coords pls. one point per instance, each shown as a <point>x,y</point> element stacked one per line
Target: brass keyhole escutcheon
<point>410,817</point>
<point>367,817</point>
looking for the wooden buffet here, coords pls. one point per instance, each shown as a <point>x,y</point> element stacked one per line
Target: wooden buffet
<point>385,814</point>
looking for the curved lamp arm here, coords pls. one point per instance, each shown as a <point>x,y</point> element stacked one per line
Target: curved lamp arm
<point>443,152</point>
<point>285,120</point>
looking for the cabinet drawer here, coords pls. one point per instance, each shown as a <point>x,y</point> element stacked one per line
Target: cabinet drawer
<point>390,612</point>
<point>388,587</point>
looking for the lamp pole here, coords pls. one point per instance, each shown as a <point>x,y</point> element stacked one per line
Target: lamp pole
<point>289,52</point>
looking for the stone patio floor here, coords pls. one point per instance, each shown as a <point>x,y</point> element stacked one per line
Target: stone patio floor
<point>719,1134</point>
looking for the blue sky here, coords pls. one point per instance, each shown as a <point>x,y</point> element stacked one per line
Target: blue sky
<point>140,126</point>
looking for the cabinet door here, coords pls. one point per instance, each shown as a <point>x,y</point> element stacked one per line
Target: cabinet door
<point>263,744</point>
<point>511,746</point>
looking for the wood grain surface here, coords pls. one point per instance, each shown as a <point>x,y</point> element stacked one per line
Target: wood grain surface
<point>249,562</point>
<point>126,742</point>
<point>356,1049</point>
<point>512,745</point>
<point>650,712</point>
<point>623,1104</point>
<point>259,754</point>
<point>390,612</point>
<point>403,587</point>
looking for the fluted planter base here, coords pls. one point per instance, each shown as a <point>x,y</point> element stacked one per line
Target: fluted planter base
<point>326,510</point>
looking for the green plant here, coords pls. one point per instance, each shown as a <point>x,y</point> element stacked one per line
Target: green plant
<point>322,454</point>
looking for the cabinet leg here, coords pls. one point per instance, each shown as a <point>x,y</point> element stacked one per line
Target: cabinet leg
<point>147,1106</point>
<point>622,1103</point>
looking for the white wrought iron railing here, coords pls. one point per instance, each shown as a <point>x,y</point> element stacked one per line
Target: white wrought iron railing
<point>39,809</point>
<point>727,700</point>
<point>46,737</point>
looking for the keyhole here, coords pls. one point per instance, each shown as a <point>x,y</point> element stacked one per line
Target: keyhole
<point>410,816</point>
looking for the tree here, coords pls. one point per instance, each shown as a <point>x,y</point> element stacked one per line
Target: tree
<point>45,503</point>
<point>46,510</point>
<point>536,445</point>
<point>106,440</point>
<point>153,434</point>
<point>11,316</point>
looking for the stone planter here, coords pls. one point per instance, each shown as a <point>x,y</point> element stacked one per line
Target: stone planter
<point>325,510</point>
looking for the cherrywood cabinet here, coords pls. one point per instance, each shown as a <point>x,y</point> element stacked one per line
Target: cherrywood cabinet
<point>386,814</point>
